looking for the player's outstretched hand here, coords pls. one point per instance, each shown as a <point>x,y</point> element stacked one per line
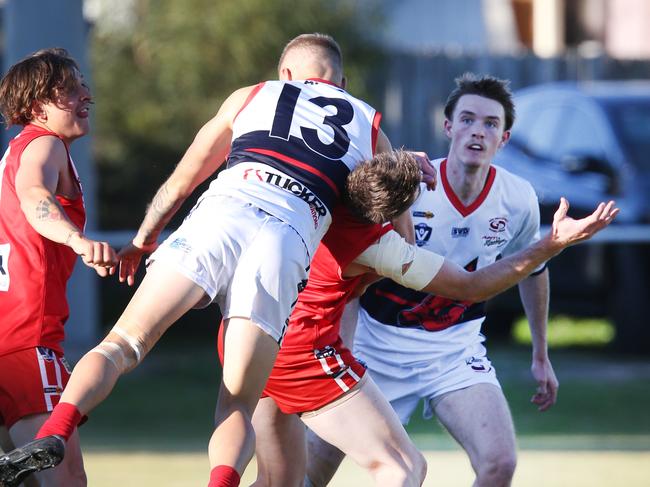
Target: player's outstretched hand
<point>98,255</point>
<point>429,174</point>
<point>566,231</point>
<point>130,257</point>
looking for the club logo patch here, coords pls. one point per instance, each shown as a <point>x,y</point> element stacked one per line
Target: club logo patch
<point>498,224</point>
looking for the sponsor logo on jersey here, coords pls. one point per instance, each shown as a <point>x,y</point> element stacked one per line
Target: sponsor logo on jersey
<point>477,365</point>
<point>498,224</point>
<point>494,240</point>
<point>457,232</point>
<point>290,185</point>
<point>181,244</point>
<point>423,214</point>
<point>422,234</point>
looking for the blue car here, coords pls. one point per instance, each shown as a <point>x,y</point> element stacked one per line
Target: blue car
<point>590,142</point>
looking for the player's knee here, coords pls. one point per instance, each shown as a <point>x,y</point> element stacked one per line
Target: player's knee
<point>125,352</point>
<point>498,469</point>
<point>409,471</point>
<point>418,467</point>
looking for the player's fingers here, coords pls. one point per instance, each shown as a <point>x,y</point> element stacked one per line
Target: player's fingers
<point>599,211</point>
<point>108,255</point>
<point>562,209</point>
<point>101,270</point>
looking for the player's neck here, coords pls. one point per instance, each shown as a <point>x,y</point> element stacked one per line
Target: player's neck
<point>466,180</point>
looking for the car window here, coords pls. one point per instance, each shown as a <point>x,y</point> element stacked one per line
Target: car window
<point>537,134</point>
<point>582,134</point>
<point>631,122</point>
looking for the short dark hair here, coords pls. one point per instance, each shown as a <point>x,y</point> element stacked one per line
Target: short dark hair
<point>316,40</point>
<point>40,77</point>
<point>486,86</point>
<point>382,188</point>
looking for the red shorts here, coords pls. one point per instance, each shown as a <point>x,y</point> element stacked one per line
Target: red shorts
<point>305,379</point>
<point>31,382</point>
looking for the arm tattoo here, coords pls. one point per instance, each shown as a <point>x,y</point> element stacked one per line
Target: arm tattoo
<point>160,211</point>
<point>49,210</point>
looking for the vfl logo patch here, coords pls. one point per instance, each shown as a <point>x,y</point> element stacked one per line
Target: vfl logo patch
<point>422,234</point>
<point>498,224</point>
<point>423,214</point>
<point>477,365</point>
<point>459,232</point>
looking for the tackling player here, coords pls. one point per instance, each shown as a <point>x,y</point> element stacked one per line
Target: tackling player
<point>290,145</point>
<point>316,379</point>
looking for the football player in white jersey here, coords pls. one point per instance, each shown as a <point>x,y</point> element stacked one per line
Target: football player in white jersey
<point>421,346</point>
<point>247,244</point>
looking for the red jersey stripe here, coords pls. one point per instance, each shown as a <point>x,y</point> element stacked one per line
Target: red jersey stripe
<point>297,163</point>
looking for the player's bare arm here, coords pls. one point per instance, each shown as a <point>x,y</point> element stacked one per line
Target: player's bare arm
<point>204,156</point>
<point>428,272</point>
<point>37,181</point>
<point>534,293</point>
<point>454,282</point>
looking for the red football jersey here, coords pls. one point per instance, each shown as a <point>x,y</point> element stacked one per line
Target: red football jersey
<point>313,366</point>
<point>34,271</point>
<point>316,318</point>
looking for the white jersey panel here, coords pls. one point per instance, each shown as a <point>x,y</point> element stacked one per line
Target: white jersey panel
<point>505,220</point>
<point>294,143</point>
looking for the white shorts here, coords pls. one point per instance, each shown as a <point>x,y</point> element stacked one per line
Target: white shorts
<point>248,261</point>
<point>405,382</point>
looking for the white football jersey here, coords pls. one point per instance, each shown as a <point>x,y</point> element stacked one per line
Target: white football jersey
<point>294,143</point>
<point>502,220</point>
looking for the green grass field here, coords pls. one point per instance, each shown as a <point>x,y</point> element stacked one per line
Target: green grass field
<point>153,430</point>
<point>446,469</point>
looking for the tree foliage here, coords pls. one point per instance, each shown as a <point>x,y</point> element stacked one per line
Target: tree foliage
<point>157,81</point>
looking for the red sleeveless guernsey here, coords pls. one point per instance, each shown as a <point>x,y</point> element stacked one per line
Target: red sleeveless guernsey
<point>34,271</point>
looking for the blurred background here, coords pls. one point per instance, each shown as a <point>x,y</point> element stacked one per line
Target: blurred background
<point>580,70</point>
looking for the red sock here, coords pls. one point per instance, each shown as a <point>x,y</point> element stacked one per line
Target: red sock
<point>224,476</point>
<point>62,422</point>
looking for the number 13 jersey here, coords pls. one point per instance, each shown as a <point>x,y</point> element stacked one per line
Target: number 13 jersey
<point>293,145</point>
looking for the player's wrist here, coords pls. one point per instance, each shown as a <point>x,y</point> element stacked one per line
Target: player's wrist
<point>72,238</point>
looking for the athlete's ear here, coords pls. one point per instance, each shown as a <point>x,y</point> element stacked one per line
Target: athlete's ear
<point>285,74</point>
<point>38,112</point>
<point>447,127</point>
<point>504,138</point>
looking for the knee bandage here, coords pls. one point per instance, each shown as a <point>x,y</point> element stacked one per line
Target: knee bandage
<point>392,253</point>
<point>123,360</point>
